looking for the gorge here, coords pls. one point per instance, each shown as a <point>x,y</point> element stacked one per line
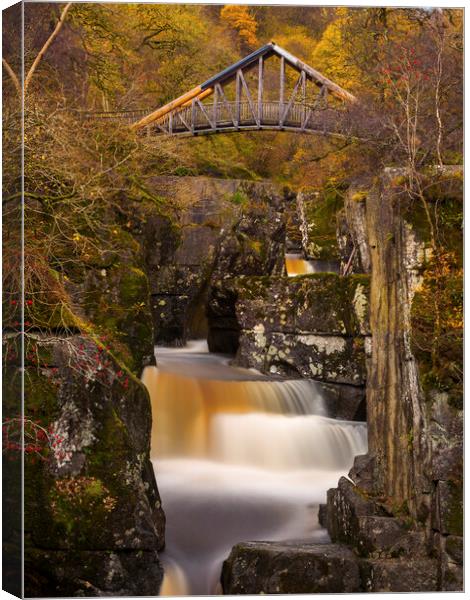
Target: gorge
<point>232,299</point>
<point>248,438</point>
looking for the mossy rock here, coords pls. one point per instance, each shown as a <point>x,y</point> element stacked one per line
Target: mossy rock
<point>117,303</point>
<point>320,302</point>
<point>91,486</point>
<point>321,208</point>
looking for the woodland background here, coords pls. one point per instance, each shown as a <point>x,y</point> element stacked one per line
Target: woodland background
<point>84,179</point>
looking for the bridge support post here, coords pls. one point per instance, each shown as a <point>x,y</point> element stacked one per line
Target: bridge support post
<point>260,88</point>
<point>193,115</point>
<point>214,107</point>
<point>238,90</point>
<point>282,78</point>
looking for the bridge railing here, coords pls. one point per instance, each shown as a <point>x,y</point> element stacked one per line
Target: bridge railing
<point>122,116</point>
<point>223,115</point>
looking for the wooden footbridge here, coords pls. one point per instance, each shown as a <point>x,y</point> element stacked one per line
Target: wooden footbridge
<point>241,100</point>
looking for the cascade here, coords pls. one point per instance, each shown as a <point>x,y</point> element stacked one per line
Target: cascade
<point>297,265</point>
<point>238,456</point>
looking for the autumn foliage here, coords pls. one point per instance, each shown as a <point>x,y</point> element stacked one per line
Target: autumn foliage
<point>241,20</point>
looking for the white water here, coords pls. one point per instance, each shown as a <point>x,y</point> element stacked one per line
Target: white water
<point>238,457</point>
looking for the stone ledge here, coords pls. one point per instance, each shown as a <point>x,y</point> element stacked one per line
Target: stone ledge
<point>290,568</point>
<point>400,575</point>
<point>92,573</point>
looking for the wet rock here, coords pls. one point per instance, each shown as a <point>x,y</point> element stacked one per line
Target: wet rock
<point>89,574</point>
<point>345,402</point>
<point>346,504</point>
<point>93,493</point>
<point>224,329</point>
<point>288,568</point>
<point>322,515</point>
<point>400,575</point>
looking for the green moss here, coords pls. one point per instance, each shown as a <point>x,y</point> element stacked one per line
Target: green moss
<point>79,502</point>
<point>239,198</point>
<point>359,196</point>
<point>320,209</point>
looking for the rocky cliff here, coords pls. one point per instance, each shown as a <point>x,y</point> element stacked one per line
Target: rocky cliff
<point>216,227</point>
<point>313,326</point>
<point>396,523</point>
<point>415,424</point>
<point>92,514</point>
<point>213,264</point>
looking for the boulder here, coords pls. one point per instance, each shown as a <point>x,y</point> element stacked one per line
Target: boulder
<point>290,568</point>
<point>345,402</point>
<point>400,575</point>
<point>346,504</point>
<point>92,573</point>
<point>91,498</point>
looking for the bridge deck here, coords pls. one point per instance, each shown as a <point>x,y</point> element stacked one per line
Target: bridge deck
<point>233,116</point>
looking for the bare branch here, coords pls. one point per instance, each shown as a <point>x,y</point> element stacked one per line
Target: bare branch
<point>44,49</point>
<point>13,76</point>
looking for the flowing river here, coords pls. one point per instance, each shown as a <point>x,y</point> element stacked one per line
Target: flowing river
<point>238,457</point>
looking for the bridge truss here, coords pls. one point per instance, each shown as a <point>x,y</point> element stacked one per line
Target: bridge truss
<point>238,98</point>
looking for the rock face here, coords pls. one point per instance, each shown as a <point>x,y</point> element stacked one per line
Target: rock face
<point>399,514</point>
<point>311,326</point>
<point>92,513</point>
<point>413,470</point>
<point>282,568</point>
<point>317,215</point>
<point>93,516</point>
<point>110,289</point>
<point>217,227</point>
<point>254,245</point>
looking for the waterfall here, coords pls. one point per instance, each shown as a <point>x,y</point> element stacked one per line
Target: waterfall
<point>297,265</point>
<point>285,443</point>
<point>238,456</point>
